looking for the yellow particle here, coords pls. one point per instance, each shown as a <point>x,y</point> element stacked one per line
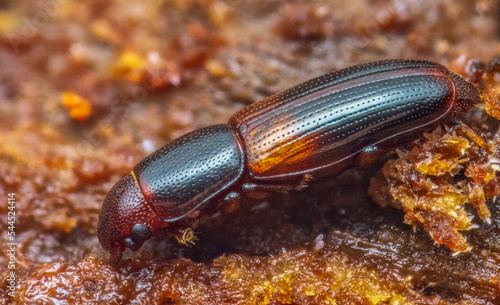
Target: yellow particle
<point>103,30</point>
<point>442,46</point>
<point>219,13</point>
<point>130,64</point>
<point>478,200</point>
<point>9,22</point>
<point>476,138</point>
<point>398,300</point>
<point>79,108</point>
<point>188,238</point>
<point>62,222</point>
<point>437,165</point>
<point>362,282</point>
<point>310,292</point>
<point>491,102</point>
<point>216,68</point>
<point>267,291</point>
<point>480,173</point>
<point>330,301</point>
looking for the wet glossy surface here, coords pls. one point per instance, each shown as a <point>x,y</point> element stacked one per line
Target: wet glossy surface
<point>191,170</point>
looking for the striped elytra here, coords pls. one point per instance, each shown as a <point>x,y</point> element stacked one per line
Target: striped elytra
<point>314,127</point>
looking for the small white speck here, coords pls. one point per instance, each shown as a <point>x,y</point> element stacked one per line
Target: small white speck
<point>44,259</point>
<point>148,146</point>
<point>154,58</point>
<point>175,80</point>
<point>319,243</point>
<point>261,206</point>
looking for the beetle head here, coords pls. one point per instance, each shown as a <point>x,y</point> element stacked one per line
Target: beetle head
<point>126,220</point>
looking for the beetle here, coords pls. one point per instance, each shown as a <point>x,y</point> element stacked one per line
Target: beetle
<point>313,130</point>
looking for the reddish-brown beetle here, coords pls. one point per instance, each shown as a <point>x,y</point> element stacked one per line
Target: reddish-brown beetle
<point>315,129</point>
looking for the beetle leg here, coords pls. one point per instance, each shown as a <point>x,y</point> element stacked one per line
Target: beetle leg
<point>368,156</point>
<point>255,191</point>
<point>230,202</point>
<point>259,191</point>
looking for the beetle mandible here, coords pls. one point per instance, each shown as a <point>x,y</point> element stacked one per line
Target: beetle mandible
<point>315,129</point>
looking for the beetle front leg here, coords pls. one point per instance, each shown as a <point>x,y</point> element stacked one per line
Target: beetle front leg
<point>230,202</point>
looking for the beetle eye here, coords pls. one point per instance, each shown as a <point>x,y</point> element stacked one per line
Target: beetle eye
<point>140,233</point>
